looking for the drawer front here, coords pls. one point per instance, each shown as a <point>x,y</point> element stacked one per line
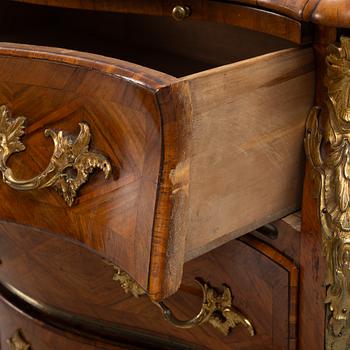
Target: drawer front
<point>247,157</point>
<point>27,324</point>
<point>109,113</point>
<point>264,283</point>
<point>20,332</point>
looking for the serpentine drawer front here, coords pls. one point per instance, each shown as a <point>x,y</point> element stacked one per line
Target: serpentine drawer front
<point>146,168</point>
<point>81,295</point>
<point>20,331</point>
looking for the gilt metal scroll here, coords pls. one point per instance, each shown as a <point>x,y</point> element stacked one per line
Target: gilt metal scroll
<point>126,282</point>
<point>18,342</point>
<point>217,308</point>
<point>327,144</point>
<point>69,167</point>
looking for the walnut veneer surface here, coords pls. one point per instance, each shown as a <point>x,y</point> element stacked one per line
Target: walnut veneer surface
<point>82,286</point>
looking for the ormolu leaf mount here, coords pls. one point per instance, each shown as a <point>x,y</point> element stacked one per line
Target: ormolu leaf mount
<point>217,307</point>
<point>69,166</point>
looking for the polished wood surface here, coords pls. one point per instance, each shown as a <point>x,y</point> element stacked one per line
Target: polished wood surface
<point>82,284</point>
<point>247,138</point>
<point>59,89</point>
<point>31,332</point>
<point>41,337</point>
<point>333,13</point>
<point>324,12</point>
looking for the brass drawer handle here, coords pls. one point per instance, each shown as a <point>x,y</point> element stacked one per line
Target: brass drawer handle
<point>70,164</point>
<point>18,342</point>
<point>217,308</point>
<point>180,13</point>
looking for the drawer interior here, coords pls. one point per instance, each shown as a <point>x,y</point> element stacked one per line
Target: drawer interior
<point>161,43</point>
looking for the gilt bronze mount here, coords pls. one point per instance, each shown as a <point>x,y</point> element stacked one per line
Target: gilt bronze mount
<point>18,342</point>
<point>69,154</point>
<point>327,144</point>
<point>217,310</point>
<point>126,282</point>
<point>217,307</point>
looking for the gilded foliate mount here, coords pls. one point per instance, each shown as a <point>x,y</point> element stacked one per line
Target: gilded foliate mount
<point>18,342</point>
<point>69,167</point>
<point>217,308</point>
<point>328,149</point>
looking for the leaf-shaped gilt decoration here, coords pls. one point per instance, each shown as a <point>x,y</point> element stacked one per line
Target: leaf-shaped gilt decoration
<point>217,310</point>
<point>328,150</point>
<point>18,342</point>
<point>11,133</point>
<point>70,164</point>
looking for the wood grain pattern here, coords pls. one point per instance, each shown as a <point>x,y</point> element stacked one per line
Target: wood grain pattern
<point>154,125</point>
<point>59,89</point>
<point>117,218</point>
<point>39,335</point>
<point>333,13</point>
<point>293,271</point>
<point>83,285</point>
<point>246,145</point>
<point>172,213</point>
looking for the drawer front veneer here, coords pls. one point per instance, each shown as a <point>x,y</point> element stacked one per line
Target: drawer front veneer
<point>82,285</point>
<point>58,91</point>
<point>27,331</point>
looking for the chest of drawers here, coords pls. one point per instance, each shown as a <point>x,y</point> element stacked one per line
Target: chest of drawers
<point>172,130</point>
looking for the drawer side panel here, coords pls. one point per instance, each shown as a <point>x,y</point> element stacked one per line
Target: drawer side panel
<point>247,145</point>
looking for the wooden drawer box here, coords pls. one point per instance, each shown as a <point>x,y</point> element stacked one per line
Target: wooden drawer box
<point>198,157</point>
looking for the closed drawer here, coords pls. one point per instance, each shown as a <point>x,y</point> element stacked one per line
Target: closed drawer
<point>197,157</point>
<point>22,332</point>
<point>82,287</point>
<point>32,329</point>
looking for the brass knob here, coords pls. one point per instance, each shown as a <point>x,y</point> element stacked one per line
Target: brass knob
<point>180,12</point>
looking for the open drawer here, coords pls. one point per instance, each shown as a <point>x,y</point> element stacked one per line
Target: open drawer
<point>204,146</point>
